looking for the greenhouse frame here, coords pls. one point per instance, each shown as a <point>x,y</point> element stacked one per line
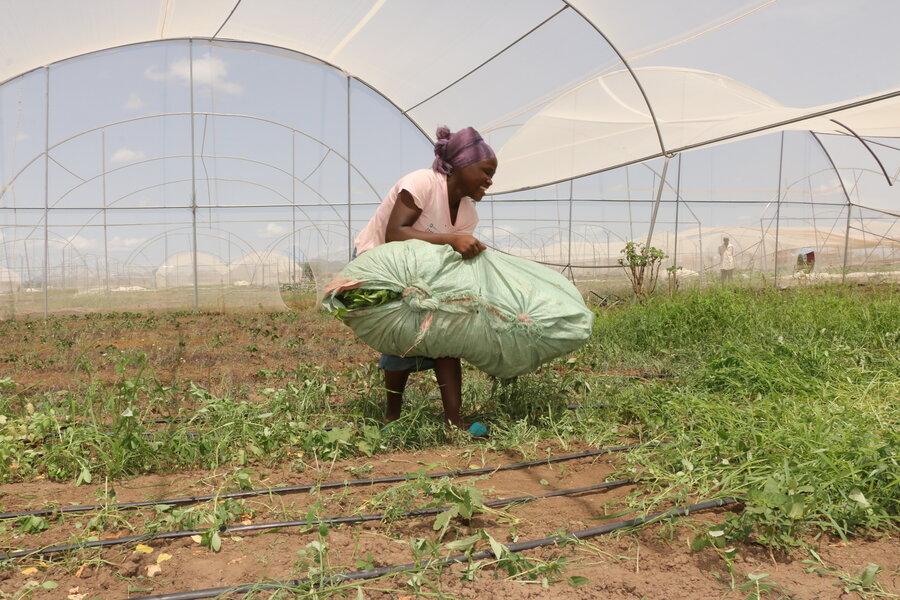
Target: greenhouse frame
<point>212,153</point>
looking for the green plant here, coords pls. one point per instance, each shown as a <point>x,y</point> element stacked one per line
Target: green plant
<point>424,549</point>
<point>783,398</point>
<point>28,588</point>
<point>171,518</point>
<point>422,492</point>
<point>759,586</point>
<point>363,298</point>
<point>672,278</point>
<point>33,524</point>
<point>464,501</point>
<point>243,478</point>
<point>641,264</point>
<point>715,537</point>
<point>517,566</point>
<point>863,581</point>
<point>218,516</point>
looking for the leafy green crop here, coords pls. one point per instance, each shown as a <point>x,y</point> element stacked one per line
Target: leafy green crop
<point>363,298</point>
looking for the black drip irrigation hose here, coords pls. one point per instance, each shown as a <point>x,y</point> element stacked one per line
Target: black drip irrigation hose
<point>146,434</point>
<point>45,512</point>
<point>607,485</point>
<point>442,562</point>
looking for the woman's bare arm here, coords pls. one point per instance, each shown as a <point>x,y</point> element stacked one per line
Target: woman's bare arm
<point>405,213</point>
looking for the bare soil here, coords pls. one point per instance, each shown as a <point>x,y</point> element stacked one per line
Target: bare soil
<point>239,353</point>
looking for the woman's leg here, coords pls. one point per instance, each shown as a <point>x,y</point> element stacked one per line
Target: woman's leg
<point>449,377</point>
<point>395,383</point>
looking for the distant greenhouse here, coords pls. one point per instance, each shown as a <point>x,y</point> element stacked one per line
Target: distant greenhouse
<point>186,269</point>
<point>264,269</point>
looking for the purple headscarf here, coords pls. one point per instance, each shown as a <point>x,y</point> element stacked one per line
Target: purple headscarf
<point>456,150</point>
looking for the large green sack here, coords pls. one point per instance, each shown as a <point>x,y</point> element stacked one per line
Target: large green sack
<point>503,314</point>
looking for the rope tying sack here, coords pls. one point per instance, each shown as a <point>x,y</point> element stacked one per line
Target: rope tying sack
<point>419,298</point>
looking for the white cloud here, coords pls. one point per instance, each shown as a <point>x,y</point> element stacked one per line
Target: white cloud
<point>134,101</point>
<point>82,243</point>
<point>154,74</point>
<point>119,244</point>
<point>273,230</point>
<point>209,70</point>
<point>126,155</point>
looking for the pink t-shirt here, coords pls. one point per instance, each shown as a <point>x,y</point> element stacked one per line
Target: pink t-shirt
<point>428,189</point>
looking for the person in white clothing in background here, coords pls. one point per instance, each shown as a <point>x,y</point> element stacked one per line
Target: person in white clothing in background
<point>726,259</point>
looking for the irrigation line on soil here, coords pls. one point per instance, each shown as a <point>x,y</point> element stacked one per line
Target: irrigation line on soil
<point>442,562</point>
<point>187,434</point>
<point>304,523</point>
<point>45,512</point>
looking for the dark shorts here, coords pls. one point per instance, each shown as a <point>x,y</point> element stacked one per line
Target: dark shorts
<point>389,362</point>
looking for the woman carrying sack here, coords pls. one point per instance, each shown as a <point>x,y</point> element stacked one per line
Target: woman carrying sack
<point>435,205</point>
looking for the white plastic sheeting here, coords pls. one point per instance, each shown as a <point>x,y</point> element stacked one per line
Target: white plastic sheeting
<point>606,122</point>
<point>561,88</point>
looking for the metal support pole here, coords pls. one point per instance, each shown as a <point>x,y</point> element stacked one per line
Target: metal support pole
<point>662,183</point>
<point>608,248</point>
<point>762,242</point>
<point>194,181</point>
<point>569,259</point>
<point>493,226</point>
<point>105,234</point>
<point>349,173</point>
<point>628,197</point>
<point>46,191</point>
<point>677,205</point>
<point>778,206</point>
<point>846,197</point>
<point>165,266</point>
<point>293,206</point>
<point>700,246</point>
<point>812,205</point>
<point>846,243</point>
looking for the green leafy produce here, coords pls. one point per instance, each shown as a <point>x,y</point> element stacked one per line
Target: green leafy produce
<point>363,298</point>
